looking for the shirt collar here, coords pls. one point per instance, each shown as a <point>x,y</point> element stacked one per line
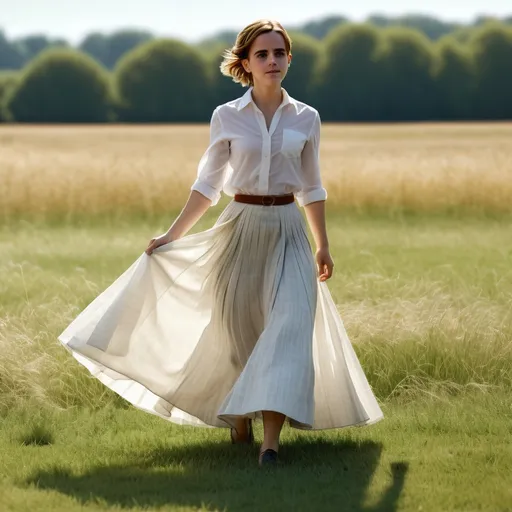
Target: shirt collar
<point>247,98</point>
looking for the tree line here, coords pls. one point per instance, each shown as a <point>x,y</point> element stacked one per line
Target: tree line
<point>358,72</point>
<point>109,48</point>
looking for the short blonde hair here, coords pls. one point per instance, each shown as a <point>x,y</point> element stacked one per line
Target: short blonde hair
<point>232,63</point>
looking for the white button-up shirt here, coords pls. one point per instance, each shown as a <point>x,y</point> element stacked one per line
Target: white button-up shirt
<point>244,157</point>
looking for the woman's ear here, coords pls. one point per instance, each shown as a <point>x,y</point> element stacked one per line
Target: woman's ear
<point>245,64</point>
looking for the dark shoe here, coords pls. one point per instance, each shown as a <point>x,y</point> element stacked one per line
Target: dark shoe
<point>268,458</point>
<point>247,439</point>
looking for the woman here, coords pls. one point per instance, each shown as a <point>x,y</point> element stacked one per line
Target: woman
<point>235,323</point>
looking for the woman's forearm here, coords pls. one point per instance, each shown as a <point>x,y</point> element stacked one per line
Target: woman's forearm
<point>194,209</point>
<point>315,214</point>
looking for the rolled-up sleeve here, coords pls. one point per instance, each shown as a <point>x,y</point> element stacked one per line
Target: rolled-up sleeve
<point>213,164</point>
<point>312,189</point>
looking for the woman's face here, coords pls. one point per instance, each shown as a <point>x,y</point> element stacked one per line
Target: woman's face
<point>268,61</point>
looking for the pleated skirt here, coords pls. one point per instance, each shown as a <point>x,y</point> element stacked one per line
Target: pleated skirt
<point>225,323</point>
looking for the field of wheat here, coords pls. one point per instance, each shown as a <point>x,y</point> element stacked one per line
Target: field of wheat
<point>69,172</point>
<point>419,222</point>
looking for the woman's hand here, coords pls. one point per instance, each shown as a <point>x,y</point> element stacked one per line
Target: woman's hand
<point>193,210</point>
<point>324,263</point>
<point>315,214</point>
<point>158,241</point>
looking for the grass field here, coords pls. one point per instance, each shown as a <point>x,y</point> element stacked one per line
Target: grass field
<point>423,284</point>
<point>68,173</point>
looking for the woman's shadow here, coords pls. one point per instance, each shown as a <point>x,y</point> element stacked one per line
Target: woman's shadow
<point>320,475</point>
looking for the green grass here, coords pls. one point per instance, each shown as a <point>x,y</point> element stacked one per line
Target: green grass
<point>427,302</point>
<point>426,455</point>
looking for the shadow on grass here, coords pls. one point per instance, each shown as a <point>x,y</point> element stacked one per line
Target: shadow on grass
<point>314,475</point>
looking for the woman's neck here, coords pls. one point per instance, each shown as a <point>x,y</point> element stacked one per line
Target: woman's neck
<point>267,98</point>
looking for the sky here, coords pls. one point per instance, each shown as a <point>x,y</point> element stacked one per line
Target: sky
<point>194,20</point>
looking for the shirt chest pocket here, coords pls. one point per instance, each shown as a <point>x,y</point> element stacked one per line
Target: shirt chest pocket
<point>293,143</point>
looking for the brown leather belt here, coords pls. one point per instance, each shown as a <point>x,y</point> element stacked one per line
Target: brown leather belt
<point>265,200</point>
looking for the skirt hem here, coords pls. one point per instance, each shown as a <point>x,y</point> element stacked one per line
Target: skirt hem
<point>292,423</point>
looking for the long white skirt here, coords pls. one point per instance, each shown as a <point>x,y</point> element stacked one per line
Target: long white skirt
<point>227,322</point>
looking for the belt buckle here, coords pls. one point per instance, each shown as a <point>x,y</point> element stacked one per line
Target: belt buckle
<point>272,198</point>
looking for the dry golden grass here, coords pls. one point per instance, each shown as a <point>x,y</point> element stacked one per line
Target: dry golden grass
<point>48,171</point>
<point>423,167</point>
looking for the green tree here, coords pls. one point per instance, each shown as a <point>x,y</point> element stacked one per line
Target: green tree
<point>61,86</point>
<point>463,35</point>
<point>95,44</point>
<point>8,80</point>
<point>223,88</point>
<point>348,77</point>
<point>492,53</point>
<point>215,44</point>
<point>122,42</point>
<point>11,55</point>
<point>433,28</point>
<point>108,49</point>
<point>300,80</point>
<point>161,81</point>
<point>319,29</point>
<point>454,77</point>
<point>408,90</point>
<point>33,45</point>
